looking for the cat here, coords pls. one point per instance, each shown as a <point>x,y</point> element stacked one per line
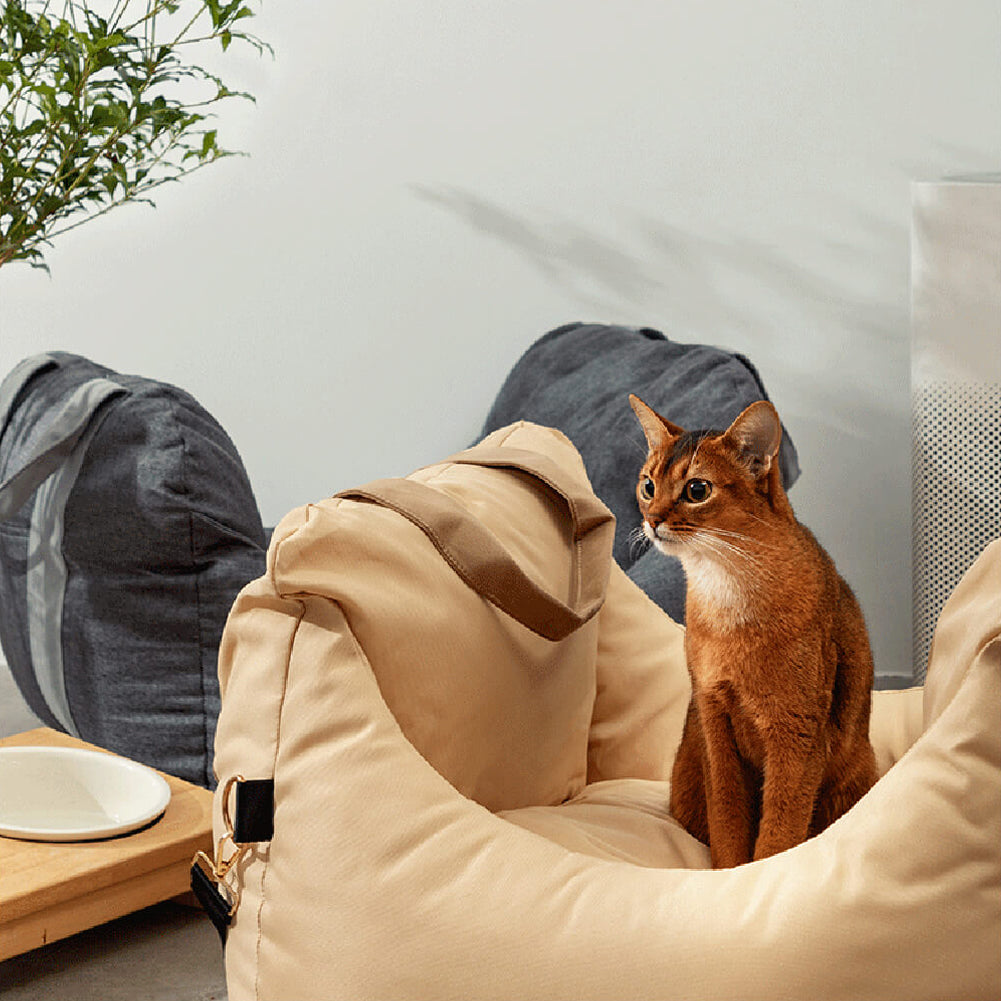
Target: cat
<point>775,745</point>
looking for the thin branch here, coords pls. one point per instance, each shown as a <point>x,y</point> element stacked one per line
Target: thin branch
<point>26,77</point>
<point>116,13</point>
<point>47,137</point>
<point>71,167</point>
<point>134,197</point>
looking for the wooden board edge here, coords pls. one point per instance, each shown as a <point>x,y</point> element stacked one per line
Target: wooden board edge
<point>50,924</point>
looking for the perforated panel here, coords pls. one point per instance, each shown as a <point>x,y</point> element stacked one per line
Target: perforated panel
<point>956,493</point>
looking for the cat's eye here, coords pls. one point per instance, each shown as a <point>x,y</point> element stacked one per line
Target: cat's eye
<point>647,488</point>
<point>696,491</point>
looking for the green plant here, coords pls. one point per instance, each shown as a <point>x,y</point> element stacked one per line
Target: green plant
<point>98,110</point>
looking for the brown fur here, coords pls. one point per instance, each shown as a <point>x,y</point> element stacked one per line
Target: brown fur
<point>776,743</point>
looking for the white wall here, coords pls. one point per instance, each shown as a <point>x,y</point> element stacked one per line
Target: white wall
<point>432,185</point>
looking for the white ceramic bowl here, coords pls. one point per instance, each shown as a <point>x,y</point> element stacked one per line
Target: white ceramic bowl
<point>72,794</point>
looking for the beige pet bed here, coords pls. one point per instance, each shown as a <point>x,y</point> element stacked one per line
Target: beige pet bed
<point>465,809</point>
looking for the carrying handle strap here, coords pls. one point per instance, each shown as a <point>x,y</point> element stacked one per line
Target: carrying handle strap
<point>60,437</point>
<point>478,557</point>
<point>17,378</point>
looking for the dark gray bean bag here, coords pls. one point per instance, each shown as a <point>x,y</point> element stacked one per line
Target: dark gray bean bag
<point>127,527</point>
<point>578,378</point>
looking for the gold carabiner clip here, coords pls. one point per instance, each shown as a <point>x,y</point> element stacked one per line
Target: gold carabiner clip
<point>217,868</point>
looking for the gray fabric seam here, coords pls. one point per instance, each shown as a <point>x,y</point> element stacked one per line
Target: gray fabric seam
<point>46,575</point>
<point>200,616</point>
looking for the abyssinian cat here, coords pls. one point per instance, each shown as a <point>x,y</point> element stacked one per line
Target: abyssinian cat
<point>776,742</point>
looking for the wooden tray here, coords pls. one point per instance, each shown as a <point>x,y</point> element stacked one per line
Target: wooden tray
<point>49,891</point>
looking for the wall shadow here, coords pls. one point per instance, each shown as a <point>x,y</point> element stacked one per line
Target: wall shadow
<point>812,316</point>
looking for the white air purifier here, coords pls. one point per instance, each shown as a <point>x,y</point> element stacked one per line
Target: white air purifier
<point>955,387</point>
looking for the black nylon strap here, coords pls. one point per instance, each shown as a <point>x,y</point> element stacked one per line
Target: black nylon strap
<point>211,900</point>
<point>253,815</point>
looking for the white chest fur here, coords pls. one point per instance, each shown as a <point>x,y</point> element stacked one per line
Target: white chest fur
<point>721,594</point>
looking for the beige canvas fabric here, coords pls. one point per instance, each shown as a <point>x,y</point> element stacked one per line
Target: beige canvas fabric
<point>501,711</point>
<point>385,880</point>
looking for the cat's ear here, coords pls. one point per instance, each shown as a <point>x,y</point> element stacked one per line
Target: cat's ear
<point>755,436</point>
<point>659,431</point>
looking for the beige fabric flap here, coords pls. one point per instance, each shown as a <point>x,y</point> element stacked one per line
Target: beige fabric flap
<point>643,688</point>
<point>970,619</point>
<point>894,725</point>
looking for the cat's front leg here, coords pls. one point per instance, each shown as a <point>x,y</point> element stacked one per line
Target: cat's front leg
<point>688,779</point>
<point>794,766</point>
<point>729,801</point>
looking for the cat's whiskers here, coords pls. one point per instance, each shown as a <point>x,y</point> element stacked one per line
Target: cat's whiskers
<point>743,537</point>
<point>714,537</point>
<point>754,517</point>
<point>638,541</point>
<point>736,560</point>
<point>726,551</point>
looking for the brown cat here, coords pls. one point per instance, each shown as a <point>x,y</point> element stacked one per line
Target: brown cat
<point>776,743</point>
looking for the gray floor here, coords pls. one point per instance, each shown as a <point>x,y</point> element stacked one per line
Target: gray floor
<point>164,953</point>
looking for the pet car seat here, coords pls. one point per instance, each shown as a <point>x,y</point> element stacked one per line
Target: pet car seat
<point>447,728</point>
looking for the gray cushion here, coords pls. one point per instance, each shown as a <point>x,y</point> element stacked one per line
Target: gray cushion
<point>578,378</point>
<point>118,568</point>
